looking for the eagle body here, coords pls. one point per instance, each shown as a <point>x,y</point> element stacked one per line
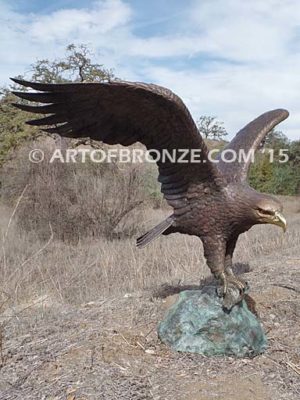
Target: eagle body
<point>202,217</point>
<point>210,200</point>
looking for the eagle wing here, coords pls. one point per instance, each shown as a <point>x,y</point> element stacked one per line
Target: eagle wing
<point>124,113</point>
<point>249,139</point>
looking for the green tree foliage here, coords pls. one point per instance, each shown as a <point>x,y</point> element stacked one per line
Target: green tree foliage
<point>273,172</point>
<point>75,66</point>
<point>13,129</point>
<point>261,174</point>
<point>276,140</point>
<point>294,161</point>
<point>210,128</point>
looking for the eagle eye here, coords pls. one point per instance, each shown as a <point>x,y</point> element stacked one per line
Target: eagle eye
<point>265,212</point>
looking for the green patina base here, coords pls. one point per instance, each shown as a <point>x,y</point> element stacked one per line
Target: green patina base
<point>196,323</point>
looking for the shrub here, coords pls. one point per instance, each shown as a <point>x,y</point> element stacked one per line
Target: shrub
<point>79,200</point>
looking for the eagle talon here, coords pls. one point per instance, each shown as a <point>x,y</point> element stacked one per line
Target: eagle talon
<point>231,289</point>
<point>222,289</point>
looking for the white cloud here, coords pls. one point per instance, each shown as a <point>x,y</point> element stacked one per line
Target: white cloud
<point>239,59</point>
<point>239,30</point>
<point>26,38</point>
<point>100,19</point>
<point>235,96</point>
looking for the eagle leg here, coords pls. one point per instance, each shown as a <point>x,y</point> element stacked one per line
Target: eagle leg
<point>230,276</point>
<point>218,255</point>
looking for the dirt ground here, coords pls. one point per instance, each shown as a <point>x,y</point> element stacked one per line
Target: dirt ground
<point>109,349</point>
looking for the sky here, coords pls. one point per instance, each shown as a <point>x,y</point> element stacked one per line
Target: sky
<point>231,59</point>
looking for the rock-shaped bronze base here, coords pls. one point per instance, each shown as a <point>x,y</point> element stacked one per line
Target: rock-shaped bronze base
<point>197,323</point>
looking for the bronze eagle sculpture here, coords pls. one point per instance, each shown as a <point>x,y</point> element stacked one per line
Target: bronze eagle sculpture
<point>210,198</point>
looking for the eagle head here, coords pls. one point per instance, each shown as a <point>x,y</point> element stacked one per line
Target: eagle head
<point>268,210</point>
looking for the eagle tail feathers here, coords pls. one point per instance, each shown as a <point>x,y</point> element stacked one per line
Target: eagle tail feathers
<point>155,232</point>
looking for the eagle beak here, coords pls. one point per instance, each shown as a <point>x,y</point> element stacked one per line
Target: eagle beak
<point>279,220</point>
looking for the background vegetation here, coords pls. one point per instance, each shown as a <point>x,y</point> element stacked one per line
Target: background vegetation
<point>82,200</point>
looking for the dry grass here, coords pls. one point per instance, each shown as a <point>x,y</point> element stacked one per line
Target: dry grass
<point>81,320</point>
<point>80,199</point>
<point>75,274</point>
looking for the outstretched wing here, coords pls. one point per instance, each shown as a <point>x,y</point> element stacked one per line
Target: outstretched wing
<point>125,113</point>
<point>249,139</point>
